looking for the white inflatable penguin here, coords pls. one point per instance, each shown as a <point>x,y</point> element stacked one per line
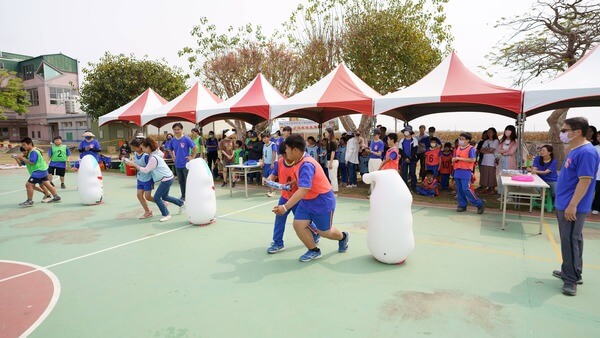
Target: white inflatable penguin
<point>89,179</point>
<point>390,232</point>
<point>200,195</point>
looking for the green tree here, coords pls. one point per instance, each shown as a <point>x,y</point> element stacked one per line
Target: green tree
<point>228,62</point>
<point>388,44</point>
<point>13,96</point>
<point>546,40</point>
<point>117,79</point>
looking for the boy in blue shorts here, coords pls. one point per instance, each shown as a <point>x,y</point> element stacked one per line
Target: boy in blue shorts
<point>315,199</point>
<point>59,161</point>
<point>145,184</point>
<point>39,172</point>
<point>284,173</point>
<point>269,157</point>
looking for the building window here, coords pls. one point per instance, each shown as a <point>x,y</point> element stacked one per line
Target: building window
<point>59,95</point>
<point>33,97</point>
<point>32,134</point>
<point>4,135</point>
<point>39,134</point>
<point>27,72</point>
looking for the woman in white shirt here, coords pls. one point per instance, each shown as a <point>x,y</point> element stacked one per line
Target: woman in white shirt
<point>487,167</point>
<point>160,174</point>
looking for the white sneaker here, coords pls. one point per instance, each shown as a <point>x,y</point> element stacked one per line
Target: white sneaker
<point>165,218</point>
<point>47,199</point>
<point>595,212</point>
<point>182,208</point>
<point>270,194</point>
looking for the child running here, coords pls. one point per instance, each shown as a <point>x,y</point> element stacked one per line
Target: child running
<point>39,173</point>
<point>144,180</point>
<point>160,173</point>
<point>315,199</point>
<point>59,161</point>
<point>283,171</point>
<point>38,187</point>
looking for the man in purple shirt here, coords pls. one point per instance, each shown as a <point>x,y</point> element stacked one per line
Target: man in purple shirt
<point>180,147</point>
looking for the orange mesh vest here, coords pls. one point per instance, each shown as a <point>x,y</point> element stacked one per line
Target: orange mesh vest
<point>463,153</point>
<point>446,164</point>
<point>320,183</point>
<point>391,164</point>
<point>432,157</point>
<point>285,174</point>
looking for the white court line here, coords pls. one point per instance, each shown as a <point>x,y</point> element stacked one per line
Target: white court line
<point>53,300</point>
<point>127,243</point>
<point>14,191</point>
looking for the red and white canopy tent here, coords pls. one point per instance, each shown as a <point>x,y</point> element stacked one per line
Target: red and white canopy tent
<point>183,107</point>
<point>339,93</point>
<point>135,110</point>
<point>250,105</point>
<point>450,87</point>
<point>578,86</point>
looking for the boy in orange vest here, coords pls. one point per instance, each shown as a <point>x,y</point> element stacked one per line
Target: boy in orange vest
<point>429,186</point>
<point>315,199</point>
<point>445,169</point>
<point>463,163</point>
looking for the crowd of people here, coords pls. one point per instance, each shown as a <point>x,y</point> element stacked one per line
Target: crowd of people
<point>320,167</point>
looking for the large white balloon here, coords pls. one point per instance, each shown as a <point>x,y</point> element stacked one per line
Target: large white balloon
<point>89,179</point>
<point>200,196</point>
<point>390,232</point>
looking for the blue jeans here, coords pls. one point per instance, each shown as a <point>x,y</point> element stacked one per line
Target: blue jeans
<point>182,178</point>
<point>410,169</point>
<point>326,170</point>
<point>344,172</point>
<point>464,193</point>
<point>162,194</point>
<point>352,167</point>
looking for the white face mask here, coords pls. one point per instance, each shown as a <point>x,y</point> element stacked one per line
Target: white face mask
<point>433,145</point>
<point>462,143</point>
<point>564,137</point>
<point>406,133</point>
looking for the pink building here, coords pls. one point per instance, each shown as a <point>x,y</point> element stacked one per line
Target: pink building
<point>52,84</point>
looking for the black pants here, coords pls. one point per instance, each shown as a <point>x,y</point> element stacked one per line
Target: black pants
<point>571,246</point>
<point>211,158</point>
<point>596,203</point>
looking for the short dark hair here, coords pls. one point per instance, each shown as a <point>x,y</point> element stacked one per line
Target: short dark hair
<point>550,150</point>
<point>177,125</point>
<point>466,135</point>
<point>27,140</point>
<point>295,141</point>
<point>428,172</point>
<point>57,138</point>
<point>239,143</point>
<point>281,149</point>
<point>448,144</point>
<point>195,130</point>
<point>431,128</point>
<point>311,138</point>
<point>393,136</point>
<point>287,128</point>
<point>150,143</point>
<point>263,135</point>
<point>578,123</point>
<point>382,127</point>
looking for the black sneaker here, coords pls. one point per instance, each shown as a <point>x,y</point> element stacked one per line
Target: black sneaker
<point>233,184</point>
<point>63,186</point>
<point>569,289</point>
<point>55,199</point>
<point>556,273</point>
<point>481,209</point>
<point>224,185</point>
<point>459,209</point>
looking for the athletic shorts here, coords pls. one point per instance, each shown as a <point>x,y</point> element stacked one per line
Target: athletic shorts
<point>146,186</point>
<point>266,170</point>
<point>35,180</point>
<point>322,221</point>
<point>56,171</point>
